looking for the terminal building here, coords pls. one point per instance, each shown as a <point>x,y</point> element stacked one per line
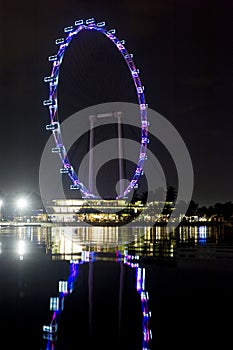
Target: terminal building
<point>103,211</point>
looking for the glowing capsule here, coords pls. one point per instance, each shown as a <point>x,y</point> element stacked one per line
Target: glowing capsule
<point>51,79</point>
<point>68,29</point>
<point>101,24</point>
<point>59,41</point>
<point>79,22</point>
<point>130,55</point>
<point>52,328</point>
<point>56,150</point>
<point>120,46</point>
<point>51,337</point>
<point>90,21</point>
<point>74,187</point>
<point>53,58</point>
<point>52,126</point>
<point>143,106</point>
<point>134,73</point>
<point>145,123</point>
<point>48,102</point>
<point>64,170</point>
<point>63,287</point>
<point>54,304</point>
<point>142,155</point>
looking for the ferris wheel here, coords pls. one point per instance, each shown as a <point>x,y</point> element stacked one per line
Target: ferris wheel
<point>52,103</point>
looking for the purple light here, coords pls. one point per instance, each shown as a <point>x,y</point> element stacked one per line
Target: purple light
<point>144,296</point>
<point>53,85</point>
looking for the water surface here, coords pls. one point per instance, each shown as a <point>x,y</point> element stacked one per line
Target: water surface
<point>188,276</point>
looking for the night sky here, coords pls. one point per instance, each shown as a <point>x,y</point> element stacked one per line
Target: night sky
<point>184,52</point>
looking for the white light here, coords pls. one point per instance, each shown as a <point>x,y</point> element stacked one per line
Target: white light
<point>1,202</point>
<point>21,203</point>
<point>21,248</point>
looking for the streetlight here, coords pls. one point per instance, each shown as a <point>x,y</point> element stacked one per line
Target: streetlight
<point>21,204</point>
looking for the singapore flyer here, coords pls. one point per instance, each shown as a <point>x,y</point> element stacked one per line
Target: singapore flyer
<point>53,104</point>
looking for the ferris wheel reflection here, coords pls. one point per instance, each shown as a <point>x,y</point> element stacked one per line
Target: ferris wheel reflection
<point>66,287</point>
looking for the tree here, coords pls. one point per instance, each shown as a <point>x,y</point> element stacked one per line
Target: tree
<point>171,194</point>
<point>192,209</point>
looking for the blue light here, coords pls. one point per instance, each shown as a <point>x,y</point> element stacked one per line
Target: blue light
<point>61,304</point>
<point>122,42</point>
<point>51,337</point>
<point>202,233</point>
<point>63,46</point>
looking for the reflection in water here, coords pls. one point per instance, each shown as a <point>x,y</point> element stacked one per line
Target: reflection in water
<point>72,244</point>
<point>67,287</point>
<point>65,243</point>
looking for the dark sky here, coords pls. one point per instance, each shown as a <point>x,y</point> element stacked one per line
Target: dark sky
<point>184,50</point>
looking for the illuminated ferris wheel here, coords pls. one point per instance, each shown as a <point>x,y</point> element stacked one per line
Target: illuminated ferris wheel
<point>52,103</point>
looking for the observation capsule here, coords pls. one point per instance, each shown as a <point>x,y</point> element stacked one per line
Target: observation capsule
<point>53,58</point>
<point>68,29</point>
<point>101,24</point>
<point>79,22</point>
<point>52,126</point>
<point>90,21</point>
<point>74,187</point>
<point>59,41</point>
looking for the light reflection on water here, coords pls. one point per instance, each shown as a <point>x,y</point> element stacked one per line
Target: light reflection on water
<point>64,243</point>
<point>34,244</point>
